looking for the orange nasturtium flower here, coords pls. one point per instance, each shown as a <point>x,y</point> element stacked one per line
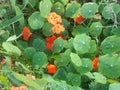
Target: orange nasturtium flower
<point>78,19</point>
<point>22,87</point>
<point>51,68</point>
<point>58,28</point>
<point>54,18</point>
<point>26,33</point>
<point>49,42</point>
<point>95,63</point>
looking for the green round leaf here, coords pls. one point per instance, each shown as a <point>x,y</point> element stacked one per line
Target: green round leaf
<point>39,59</point>
<point>36,21</point>
<point>109,65</point>
<point>111,10</point>
<point>111,44</point>
<point>45,7</point>
<point>116,31</point>
<point>58,45</point>
<point>79,29</point>
<point>39,44</point>
<point>64,59</point>
<point>11,49</point>
<point>85,67</point>
<point>75,59</point>
<point>58,8</point>
<point>107,31</point>
<point>73,79</point>
<point>60,74</point>
<point>95,28</point>
<point>93,46</point>
<point>29,52</point>
<point>72,9</point>
<point>81,43</point>
<point>47,29</point>
<point>89,9</point>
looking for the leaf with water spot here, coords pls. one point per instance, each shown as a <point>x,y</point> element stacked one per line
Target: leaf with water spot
<point>89,9</point>
<point>95,28</point>
<point>81,43</point>
<point>36,21</point>
<point>109,65</point>
<point>45,7</point>
<point>110,10</point>
<point>58,8</point>
<point>111,44</point>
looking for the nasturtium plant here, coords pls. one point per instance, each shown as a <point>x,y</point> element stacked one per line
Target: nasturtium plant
<point>45,7</point>
<point>79,30</point>
<point>47,29</point>
<point>96,29</point>
<point>74,79</point>
<point>116,31</point>
<point>58,8</point>
<point>59,44</point>
<point>72,9</point>
<point>63,59</point>
<point>109,63</point>
<point>75,59</point>
<point>39,59</point>
<point>36,21</point>
<point>81,43</point>
<point>88,10</point>
<point>39,44</point>
<point>29,52</point>
<point>110,44</point>
<point>85,67</point>
<point>110,10</point>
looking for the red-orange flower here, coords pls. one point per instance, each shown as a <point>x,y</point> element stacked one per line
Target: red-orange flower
<point>78,19</point>
<point>51,68</point>
<point>95,63</point>
<point>26,33</point>
<point>49,42</point>
<point>58,28</point>
<point>22,87</point>
<point>54,18</point>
